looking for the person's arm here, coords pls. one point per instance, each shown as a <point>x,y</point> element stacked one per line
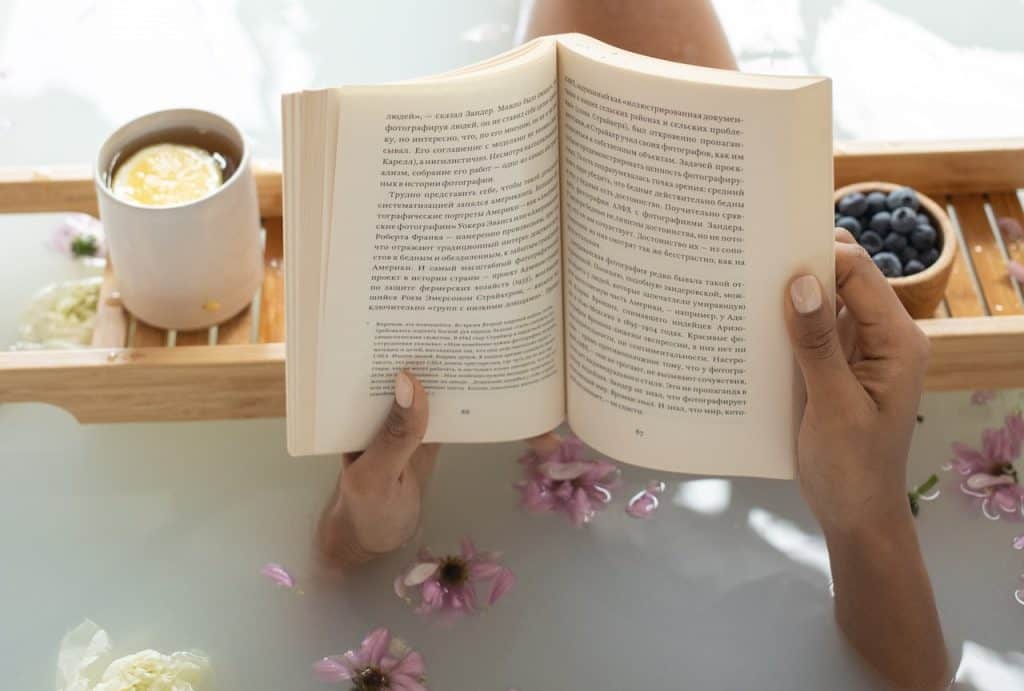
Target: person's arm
<point>376,503</point>
<point>864,371</point>
<point>680,30</point>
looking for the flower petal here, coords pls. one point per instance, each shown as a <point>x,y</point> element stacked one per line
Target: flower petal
<point>564,471</point>
<point>1006,501</point>
<point>502,584</point>
<point>982,396</point>
<point>980,481</point>
<point>1010,228</point>
<point>1016,269</point>
<point>1018,542</point>
<point>600,470</point>
<point>642,505</point>
<point>579,508</point>
<point>332,669</point>
<point>484,570</point>
<point>468,548</point>
<point>431,597</point>
<point>968,459</point>
<point>375,645</point>
<point>278,574</point>
<point>399,585</point>
<point>405,683</point>
<point>411,665</point>
<point>420,573</point>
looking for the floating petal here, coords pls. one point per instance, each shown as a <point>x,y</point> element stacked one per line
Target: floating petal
<point>332,670</point>
<point>278,574</point>
<point>502,584</point>
<point>420,573</point>
<point>1016,269</point>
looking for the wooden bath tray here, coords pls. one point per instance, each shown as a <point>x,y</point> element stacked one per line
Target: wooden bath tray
<point>136,372</point>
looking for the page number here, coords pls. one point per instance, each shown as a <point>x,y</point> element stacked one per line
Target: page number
<point>639,432</point>
<point>464,411</point>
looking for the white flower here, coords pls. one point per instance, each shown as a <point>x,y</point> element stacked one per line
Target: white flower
<point>152,671</point>
<point>85,649</point>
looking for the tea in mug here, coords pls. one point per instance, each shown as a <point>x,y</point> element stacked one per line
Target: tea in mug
<point>171,167</point>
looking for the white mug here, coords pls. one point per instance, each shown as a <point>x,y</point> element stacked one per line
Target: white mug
<point>190,265</point>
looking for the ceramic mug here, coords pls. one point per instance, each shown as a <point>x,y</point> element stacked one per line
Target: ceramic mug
<point>189,265</point>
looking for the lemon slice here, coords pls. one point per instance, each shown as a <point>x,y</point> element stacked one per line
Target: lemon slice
<point>165,174</point>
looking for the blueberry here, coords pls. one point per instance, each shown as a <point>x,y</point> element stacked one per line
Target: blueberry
<point>853,204</point>
<point>913,267</point>
<point>851,224</point>
<point>923,219</point>
<point>929,257</point>
<point>902,197</point>
<point>923,238</point>
<point>889,264</point>
<point>908,254</point>
<point>895,243</point>
<point>881,222</point>
<point>903,220</point>
<point>871,241</point>
<point>876,202</point>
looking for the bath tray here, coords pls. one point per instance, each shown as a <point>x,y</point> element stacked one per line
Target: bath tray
<point>137,373</point>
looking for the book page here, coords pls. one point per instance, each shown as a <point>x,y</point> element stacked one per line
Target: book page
<point>688,205</point>
<point>444,256</point>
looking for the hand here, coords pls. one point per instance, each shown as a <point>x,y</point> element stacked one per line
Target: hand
<point>864,371</point>
<point>377,502</point>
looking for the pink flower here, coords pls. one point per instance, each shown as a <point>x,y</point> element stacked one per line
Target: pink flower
<point>983,396</point>
<point>1018,542</point>
<point>278,574</point>
<point>78,235</point>
<point>565,481</point>
<point>1016,269</point>
<point>1010,228</point>
<point>645,503</point>
<point>380,663</point>
<point>989,473</point>
<point>448,584</point>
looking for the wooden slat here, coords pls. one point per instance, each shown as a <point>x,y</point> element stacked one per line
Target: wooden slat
<point>962,298</point>
<point>199,337</point>
<point>986,255</point>
<point>236,330</point>
<point>1007,205</point>
<point>145,384</point>
<point>70,188</point>
<point>111,330</point>
<point>245,381</point>
<point>949,167</point>
<point>272,297</point>
<point>146,336</point>
<point>975,353</point>
<point>942,312</point>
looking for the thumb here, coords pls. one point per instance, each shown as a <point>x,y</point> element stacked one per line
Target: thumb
<point>403,429</point>
<point>812,331</point>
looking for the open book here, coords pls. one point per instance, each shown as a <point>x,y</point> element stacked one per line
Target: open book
<point>566,231</point>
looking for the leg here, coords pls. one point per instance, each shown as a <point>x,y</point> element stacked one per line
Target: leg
<point>680,30</point>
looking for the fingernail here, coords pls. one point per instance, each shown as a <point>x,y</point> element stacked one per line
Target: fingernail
<point>403,390</point>
<point>806,294</point>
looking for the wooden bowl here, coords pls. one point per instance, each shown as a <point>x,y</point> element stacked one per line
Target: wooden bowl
<point>922,292</point>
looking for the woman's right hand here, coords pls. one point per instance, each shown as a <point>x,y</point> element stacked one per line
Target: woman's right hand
<point>863,370</point>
